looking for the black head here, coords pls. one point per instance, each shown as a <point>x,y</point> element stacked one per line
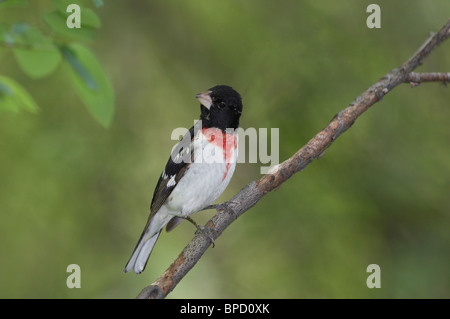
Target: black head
<point>221,107</point>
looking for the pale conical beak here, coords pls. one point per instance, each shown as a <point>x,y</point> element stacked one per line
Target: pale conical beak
<point>205,99</point>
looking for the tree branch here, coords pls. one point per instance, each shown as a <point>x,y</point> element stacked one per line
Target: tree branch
<point>416,78</point>
<point>315,148</point>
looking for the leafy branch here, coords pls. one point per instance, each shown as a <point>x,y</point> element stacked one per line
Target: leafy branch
<point>39,55</point>
<point>247,197</point>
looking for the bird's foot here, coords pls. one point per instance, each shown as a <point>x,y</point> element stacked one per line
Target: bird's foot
<point>202,230</point>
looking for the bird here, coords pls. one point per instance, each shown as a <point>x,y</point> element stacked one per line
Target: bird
<point>197,172</point>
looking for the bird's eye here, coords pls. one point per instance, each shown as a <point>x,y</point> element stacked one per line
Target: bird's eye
<point>221,105</point>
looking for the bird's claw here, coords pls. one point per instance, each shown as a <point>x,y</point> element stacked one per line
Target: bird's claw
<point>202,230</point>
<point>206,231</point>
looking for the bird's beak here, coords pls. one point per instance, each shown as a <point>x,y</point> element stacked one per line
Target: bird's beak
<point>205,99</point>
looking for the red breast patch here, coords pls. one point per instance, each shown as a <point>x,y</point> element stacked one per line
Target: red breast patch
<point>223,140</point>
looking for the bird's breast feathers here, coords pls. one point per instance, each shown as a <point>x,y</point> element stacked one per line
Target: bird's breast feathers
<point>216,147</point>
<point>214,160</point>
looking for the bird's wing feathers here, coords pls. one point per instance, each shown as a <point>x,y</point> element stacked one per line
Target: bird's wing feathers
<point>173,172</point>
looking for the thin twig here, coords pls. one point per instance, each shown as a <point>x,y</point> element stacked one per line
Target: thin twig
<point>416,78</point>
<point>315,148</point>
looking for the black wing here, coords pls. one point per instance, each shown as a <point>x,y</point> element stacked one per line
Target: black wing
<point>176,167</point>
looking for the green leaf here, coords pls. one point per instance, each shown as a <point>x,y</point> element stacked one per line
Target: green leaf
<point>90,19</point>
<point>22,33</point>
<point>14,97</point>
<point>36,55</point>
<point>38,62</point>
<point>79,68</point>
<point>90,82</point>
<point>57,22</point>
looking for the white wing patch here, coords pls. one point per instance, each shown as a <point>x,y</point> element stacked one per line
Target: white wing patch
<point>171,181</point>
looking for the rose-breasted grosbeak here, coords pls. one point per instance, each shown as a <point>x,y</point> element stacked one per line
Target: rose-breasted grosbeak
<point>197,172</point>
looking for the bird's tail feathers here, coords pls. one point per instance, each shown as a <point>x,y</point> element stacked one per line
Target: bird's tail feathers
<point>145,243</point>
<point>141,253</point>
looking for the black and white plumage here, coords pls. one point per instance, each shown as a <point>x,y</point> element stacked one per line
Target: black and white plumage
<point>197,172</point>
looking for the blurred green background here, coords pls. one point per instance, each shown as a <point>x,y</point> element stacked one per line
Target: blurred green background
<point>72,191</point>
